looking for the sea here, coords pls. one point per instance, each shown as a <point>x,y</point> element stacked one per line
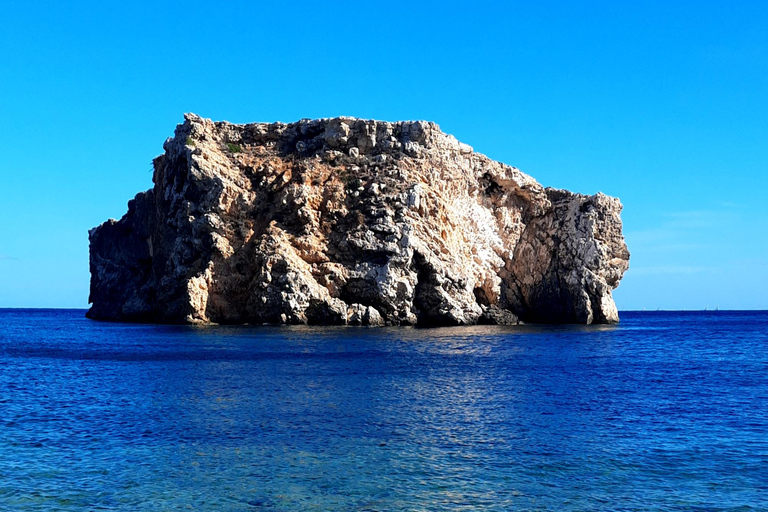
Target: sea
<point>665,411</point>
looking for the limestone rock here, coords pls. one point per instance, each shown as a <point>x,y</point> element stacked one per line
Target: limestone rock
<point>350,221</point>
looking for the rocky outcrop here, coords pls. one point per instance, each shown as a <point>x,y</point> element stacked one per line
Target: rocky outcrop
<point>349,221</point>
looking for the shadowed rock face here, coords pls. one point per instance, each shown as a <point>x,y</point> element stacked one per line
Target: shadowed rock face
<point>349,221</point>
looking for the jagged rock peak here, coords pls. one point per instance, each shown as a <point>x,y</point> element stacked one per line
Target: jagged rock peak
<point>351,221</point>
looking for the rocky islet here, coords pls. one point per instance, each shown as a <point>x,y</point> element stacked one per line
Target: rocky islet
<point>351,221</point>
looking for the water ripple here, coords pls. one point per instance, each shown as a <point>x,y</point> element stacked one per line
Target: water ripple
<point>666,411</point>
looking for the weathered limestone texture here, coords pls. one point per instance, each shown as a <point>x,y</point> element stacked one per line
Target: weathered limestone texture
<point>349,221</point>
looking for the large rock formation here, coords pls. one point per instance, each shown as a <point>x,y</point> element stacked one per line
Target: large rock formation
<point>349,221</point>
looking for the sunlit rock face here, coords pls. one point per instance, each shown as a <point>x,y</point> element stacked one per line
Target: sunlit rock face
<point>351,221</point>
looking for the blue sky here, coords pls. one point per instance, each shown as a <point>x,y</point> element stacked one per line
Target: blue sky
<point>663,104</point>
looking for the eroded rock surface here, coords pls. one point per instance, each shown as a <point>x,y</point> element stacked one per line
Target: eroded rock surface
<point>350,221</point>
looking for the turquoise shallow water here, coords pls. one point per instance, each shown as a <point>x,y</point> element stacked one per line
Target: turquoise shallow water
<point>667,411</point>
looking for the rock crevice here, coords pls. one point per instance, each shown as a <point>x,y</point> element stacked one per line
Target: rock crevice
<point>350,221</point>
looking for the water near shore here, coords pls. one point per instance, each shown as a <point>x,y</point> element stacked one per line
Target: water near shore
<point>667,411</point>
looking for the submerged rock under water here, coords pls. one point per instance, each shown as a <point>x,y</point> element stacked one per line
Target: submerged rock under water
<point>351,221</point>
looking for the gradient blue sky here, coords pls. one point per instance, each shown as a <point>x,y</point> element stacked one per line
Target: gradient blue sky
<point>663,104</point>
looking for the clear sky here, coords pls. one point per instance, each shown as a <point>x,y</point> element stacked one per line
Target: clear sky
<point>663,104</point>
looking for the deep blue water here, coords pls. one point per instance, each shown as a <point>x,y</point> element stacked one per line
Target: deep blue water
<point>667,411</point>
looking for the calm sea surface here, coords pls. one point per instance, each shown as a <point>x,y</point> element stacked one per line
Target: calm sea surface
<point>667,411</point>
